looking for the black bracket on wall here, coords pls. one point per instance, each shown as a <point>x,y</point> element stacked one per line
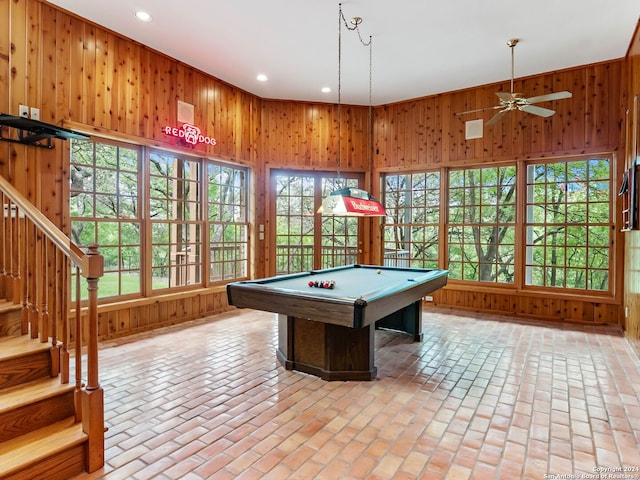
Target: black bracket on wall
<point>34,132</point>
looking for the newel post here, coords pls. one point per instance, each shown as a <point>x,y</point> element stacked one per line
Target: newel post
<point>93,395</point>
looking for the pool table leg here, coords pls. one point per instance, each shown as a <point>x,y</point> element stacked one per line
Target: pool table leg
<point>408,320</point>
<point>331,352</point>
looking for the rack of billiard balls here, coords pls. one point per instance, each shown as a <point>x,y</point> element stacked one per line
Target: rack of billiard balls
<point>322,283</point>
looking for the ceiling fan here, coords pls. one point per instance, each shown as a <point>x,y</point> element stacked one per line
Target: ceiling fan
<point>515,101</point>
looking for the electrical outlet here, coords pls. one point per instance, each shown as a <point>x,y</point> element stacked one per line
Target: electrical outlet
<point>24,111</point>
<point>428,298</point>
<point>35,113</point>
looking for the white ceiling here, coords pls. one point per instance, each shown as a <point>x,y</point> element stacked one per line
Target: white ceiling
<point>420,47</point>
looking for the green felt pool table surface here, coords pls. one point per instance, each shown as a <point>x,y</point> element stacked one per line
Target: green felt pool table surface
<point>353,282</point>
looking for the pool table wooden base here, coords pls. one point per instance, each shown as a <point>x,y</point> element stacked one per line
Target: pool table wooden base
<point>336,352</point>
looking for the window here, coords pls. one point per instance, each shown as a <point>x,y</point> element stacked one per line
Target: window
<point>298,197</point>
<point>566,225</point>
<point>176,243</point>
<point>339,234</point>
<point>481,224</point>
<point>228,223</point>
<point>152,221</point>
<point>105,210</point>
<point>411,230</point>
<point>294,223</point>
<point>569,224</point>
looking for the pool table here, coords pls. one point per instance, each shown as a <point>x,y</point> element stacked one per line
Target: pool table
<point>329,332</point>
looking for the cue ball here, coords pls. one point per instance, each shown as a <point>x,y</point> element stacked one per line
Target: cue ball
<point>378,271</point>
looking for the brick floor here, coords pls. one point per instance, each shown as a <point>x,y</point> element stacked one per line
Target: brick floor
<point>482,397</point>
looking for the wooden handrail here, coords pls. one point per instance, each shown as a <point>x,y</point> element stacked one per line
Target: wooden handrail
<point>53,233</point>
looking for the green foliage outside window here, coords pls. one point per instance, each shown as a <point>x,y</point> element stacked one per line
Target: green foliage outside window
<point>228,223</point>
<point>566,227</point>
<point>339,233</point>
<point>481,224</point>
<point>412,203</point>
<point>108,196</point>
<point>568,224</point>
<point>298,198</point>
<point>104,209</point>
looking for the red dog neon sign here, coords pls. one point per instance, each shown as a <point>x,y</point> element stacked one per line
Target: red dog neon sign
<point>190,134</point>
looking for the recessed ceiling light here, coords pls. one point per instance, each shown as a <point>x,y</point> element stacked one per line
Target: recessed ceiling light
<point>262,77</point>
<point>326,90</point>
<point>143,16</point>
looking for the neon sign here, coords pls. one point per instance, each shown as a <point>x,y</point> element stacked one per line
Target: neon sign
<point>190,134</point>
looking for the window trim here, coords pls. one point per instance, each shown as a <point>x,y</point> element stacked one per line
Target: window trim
<point>146,241</point>
<point>518,286</point>
<point>318,176</point>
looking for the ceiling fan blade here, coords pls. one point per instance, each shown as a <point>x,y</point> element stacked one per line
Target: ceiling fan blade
<point>496,117</point>
<point>543,112</point>
<point>549,97</point>
<point>479,110</point>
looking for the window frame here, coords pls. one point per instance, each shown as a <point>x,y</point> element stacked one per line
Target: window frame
<point>183,217</point>
<point>95,220</point>
<point>608,225</point>
<point>403,257</point>
<point>481,226</point>
<point>520,223</point>
<point>200,222</point>
<point>320,256</point>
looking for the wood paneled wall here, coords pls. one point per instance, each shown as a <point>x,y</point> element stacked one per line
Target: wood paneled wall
<point>85,77</point>
<point>632,239</point>
<point>426,132</point>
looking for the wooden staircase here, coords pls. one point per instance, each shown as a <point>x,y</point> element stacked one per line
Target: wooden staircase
<point>50,427</point>
<point>39,434</point>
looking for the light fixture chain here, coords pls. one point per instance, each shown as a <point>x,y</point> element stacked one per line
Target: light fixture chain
<point>356,21</point>
<point>370,67</point>
<point>370,117</point>
<point>340,18</point>
<point>512,66</point>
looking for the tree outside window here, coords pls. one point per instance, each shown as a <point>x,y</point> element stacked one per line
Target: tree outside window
<point>304,239</point>
<point>175,214</point>
<point>228,222</point>
<point>108,197</point>
<point>569,224</point>
<point>481,224</point>
<point>105,209</point>
<point>411,229</point>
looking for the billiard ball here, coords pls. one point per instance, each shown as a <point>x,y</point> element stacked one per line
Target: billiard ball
<point>378,271</point>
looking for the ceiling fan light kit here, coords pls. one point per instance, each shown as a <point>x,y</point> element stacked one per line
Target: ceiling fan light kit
<point>509,101</point>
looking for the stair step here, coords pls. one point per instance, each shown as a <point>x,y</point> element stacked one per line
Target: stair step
<point>10,318</point>
<point>23,359</point>
<point>30,392</point>
<point>28,453</point>
<point>7,306</point>
<point>14,347</point>
<point>30,406</point>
